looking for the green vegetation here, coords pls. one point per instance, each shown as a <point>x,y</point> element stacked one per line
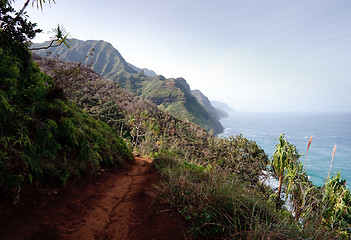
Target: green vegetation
<point>44,138</point>
<point>334,208</point>
<point>285,163</point>
<point>216,203</point>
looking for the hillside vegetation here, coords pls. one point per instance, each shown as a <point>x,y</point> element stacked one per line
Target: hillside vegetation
<point>148,129</point>
<point>44,138</point>
<point>171,95</point>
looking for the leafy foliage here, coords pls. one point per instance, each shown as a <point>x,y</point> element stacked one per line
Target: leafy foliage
<point>242,156</point>
<point>336,205</point>
<point>43,137</point>
<point>15,28</point>
<point>285,161</point>
<point>60,37</point>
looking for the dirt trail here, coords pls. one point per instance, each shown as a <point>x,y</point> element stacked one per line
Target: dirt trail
<point>115,205</point>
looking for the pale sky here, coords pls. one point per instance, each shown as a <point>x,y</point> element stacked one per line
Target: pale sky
<point>255,55</point>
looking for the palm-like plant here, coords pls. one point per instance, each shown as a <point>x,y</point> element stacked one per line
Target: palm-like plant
<point>298,187</point>
<point>60,37</point>
<point>284,160</point>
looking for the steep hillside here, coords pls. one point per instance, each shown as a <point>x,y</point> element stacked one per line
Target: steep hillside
<point>171,95</point>
<point>45,138</point>
<point>125,112</point>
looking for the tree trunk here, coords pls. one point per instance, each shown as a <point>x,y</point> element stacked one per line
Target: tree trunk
<point>23,8</point>
<point>279,191</point>
<point>20,12</point>
<point>297,214</point>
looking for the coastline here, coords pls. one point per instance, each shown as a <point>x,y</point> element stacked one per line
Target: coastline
<point>327,129</point>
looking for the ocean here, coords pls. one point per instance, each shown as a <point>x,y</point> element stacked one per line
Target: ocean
<point>327,129</point>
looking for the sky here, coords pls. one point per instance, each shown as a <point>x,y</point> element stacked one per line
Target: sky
<point>254,55</point>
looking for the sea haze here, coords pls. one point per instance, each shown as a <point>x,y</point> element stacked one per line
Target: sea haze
<point>327,129</point>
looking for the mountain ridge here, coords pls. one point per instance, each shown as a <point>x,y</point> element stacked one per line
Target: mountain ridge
<point>147,72</point>
<point>172,95</point>
<point>223,106</point>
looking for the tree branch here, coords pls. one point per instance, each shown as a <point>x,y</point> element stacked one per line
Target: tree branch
<point>46,47</point>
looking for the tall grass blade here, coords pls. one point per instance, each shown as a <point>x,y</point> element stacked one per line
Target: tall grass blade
<point>331,163</point>
<point>308,147</point>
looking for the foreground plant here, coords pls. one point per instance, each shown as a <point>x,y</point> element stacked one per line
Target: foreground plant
<point>313,207</point>
<point>284,161</point>
<point>336,206</point>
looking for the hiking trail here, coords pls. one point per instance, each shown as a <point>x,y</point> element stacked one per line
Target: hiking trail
<point>113,205</point>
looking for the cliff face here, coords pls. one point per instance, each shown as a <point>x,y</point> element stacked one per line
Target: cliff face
<point>205,102</point>
<point>171,95</point>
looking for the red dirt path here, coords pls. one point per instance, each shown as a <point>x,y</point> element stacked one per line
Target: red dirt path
<point>113,205</point>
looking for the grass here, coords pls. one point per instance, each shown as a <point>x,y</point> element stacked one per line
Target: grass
<point>217,204</point>
<point>214,201</point>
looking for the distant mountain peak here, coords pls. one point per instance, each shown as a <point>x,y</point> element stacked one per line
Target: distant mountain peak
<point>207,104</point>
<point>223,106</point>
<point>147,72</point>
<point>103,57</point>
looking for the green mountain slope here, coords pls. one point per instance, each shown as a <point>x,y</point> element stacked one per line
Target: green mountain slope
<point>172,95</point>
<point>126,113</point>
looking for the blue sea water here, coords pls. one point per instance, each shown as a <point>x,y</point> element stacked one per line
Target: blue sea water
<point>328,130</point>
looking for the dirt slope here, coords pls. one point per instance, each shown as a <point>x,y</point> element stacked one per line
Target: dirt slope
<point>114,205</point>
